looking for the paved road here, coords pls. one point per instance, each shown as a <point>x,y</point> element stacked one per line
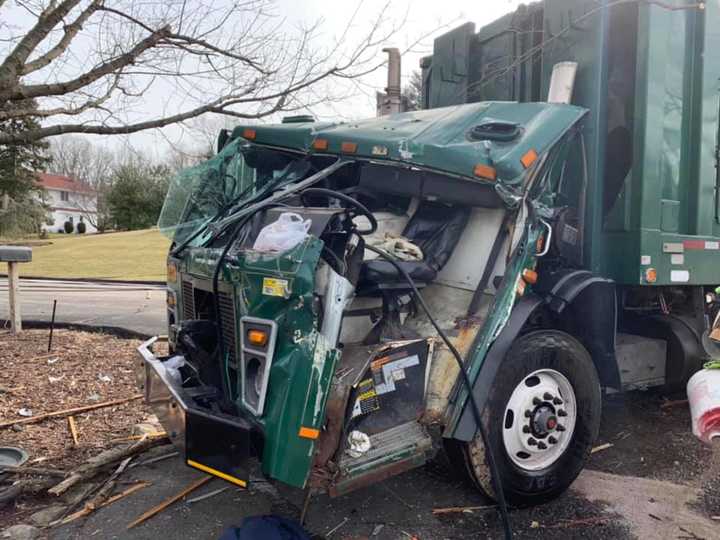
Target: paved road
<point>139,308</point>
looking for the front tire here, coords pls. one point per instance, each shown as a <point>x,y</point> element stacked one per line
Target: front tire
<point>542,417</point>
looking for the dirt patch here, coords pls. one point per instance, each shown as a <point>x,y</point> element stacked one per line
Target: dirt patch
<point>84,369</point>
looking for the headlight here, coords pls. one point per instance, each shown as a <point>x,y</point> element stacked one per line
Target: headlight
<point>257,342</point>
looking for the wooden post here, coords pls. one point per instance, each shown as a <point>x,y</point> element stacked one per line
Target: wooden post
<point>14,289</point>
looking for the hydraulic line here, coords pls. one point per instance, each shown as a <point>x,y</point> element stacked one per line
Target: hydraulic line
<point>494,473</point>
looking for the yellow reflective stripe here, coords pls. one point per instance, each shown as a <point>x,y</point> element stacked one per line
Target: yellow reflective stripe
<point>210,470</point>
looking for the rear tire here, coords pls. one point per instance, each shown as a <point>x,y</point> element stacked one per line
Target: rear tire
<point>542,417</point>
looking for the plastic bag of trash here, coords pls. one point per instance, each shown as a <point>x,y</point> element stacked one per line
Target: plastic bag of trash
<point>284,234</point>
<point>173,365</point>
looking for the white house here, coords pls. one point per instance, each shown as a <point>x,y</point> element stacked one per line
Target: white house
<point>69,200</point>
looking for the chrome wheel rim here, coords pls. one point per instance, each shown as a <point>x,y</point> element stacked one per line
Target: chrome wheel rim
<point>539,420</point>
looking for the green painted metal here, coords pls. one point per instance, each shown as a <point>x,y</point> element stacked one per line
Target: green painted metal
<point>303,363</point>
<point>437,138</point>
<point>647,73</point>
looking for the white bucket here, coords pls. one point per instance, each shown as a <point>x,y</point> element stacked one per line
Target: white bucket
<point>704,395</point>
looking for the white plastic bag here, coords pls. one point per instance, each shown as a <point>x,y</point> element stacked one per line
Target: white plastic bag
<point>285,233</point>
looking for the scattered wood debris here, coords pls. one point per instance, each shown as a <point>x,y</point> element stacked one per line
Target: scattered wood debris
<point>601,448</point>
<point>570,523</point>
<point>673,403</point>
<point>461,509</point>
<point>69,412</point>
<point>27,382</point>
<point>167,502</point>
<point>86,511</point>
<point>73,430</point>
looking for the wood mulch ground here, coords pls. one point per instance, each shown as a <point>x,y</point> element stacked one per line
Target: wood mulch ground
<point>84,369</point>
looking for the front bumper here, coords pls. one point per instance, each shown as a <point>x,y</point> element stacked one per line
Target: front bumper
<point>212,442</point>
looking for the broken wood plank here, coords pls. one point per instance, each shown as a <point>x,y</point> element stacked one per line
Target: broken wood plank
<point>68,412</point>
<point>91,467</point>
<point>40,471</point>
<point>601,448</point>
<point>461,509</point>
<point>670,404</point>
<point>167,502</point>
<point>158,434</point>
<point>73,430</point>
<point>87,511</point>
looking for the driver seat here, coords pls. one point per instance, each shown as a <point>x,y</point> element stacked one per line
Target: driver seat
<point>436,229</point>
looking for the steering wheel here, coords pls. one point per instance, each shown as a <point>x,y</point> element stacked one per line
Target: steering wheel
<point>356,208</point>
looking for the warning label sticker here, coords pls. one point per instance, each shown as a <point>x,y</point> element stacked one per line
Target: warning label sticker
<point>367,400</point>
<point>275,287</point>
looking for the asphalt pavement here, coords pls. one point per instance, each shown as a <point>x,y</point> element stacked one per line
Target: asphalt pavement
<point>139,308</point>
<point>653,481</point>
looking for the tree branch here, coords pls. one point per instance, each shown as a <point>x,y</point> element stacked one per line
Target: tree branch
<point>107,68</point>
<point>12,66</point>
<point>70,31</point>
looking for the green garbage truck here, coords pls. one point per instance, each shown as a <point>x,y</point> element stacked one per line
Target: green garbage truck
<point>345,300</point>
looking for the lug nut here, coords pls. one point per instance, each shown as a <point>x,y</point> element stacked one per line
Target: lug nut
<point>547,396</point>
<point>557,401</point>
<point>528,414</point>
<point>526,429</point>
<point>537,401</point>
<point>561,412</point>
<point>560,427</point>
<point>542,446</point>
<point>532,442</point>
<point>552,440</point>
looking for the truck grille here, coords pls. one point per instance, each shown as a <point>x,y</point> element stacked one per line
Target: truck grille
<point>188,301</point>
<point>226,305</point>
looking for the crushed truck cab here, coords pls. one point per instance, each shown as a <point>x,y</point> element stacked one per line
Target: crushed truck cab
<point>316,362</point>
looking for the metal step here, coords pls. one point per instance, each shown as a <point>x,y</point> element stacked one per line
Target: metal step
<point>393,451</point>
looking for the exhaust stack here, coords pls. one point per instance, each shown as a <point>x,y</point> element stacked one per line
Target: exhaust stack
<point>390,102</point>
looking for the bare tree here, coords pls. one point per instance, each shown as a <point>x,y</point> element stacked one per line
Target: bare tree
<point>89,63</point>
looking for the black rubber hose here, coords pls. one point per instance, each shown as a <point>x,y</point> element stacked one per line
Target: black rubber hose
<point>494,473</point>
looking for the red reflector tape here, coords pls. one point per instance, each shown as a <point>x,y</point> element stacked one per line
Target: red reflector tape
<point>694,244</point>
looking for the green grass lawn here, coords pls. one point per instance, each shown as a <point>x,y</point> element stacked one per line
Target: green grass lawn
<point>134,255</point>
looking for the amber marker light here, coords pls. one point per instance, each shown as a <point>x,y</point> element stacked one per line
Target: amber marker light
<point>530,276</point>
<point>258,338</point>
<point>171,273</point>
<point>249,133</point>
<point>485,171</point>
<point>348,147</point>
<point>529,158</point>
<point>309,433</point>
<point>320,144</point>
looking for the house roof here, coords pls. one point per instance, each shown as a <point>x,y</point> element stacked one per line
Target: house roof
<point>63,183</point>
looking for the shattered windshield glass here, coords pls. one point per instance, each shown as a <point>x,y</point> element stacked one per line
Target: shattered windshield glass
<point>239,174</point>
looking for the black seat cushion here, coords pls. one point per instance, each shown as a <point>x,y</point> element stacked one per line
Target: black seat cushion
<point>381,271</point>
<point>436,229</point>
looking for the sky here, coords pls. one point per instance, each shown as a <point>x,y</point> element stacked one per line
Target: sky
<point>418,22</point>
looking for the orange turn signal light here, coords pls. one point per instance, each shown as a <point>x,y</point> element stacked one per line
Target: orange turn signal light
<point>320,144</point>
<point>309,433</point>
<point>348,147</point>
<point>530,276</point>
<point>258,338</point>
<point>171,272</point>
<point>249,133</point>
<point>529,158</point>
<point>485,171</point>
